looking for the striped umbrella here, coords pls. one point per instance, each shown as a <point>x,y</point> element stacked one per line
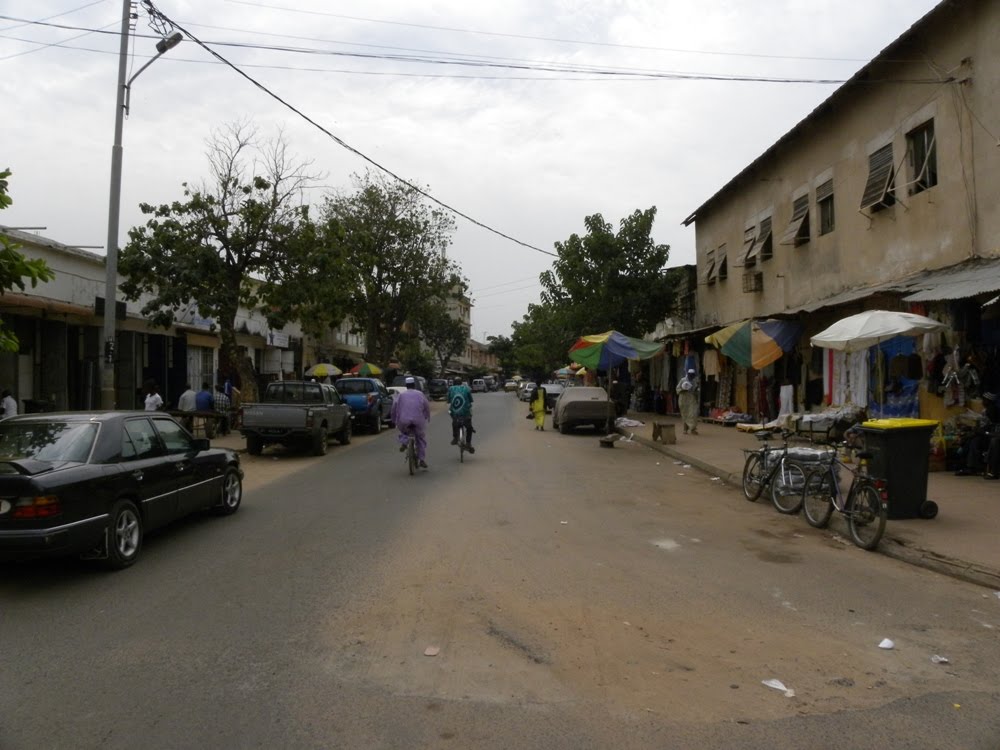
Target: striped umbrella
<point>756,343</point>
<point>366,370</point>
<point>604,351</point>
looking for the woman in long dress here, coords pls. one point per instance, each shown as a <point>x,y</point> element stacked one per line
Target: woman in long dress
<point>538,407</point>
<point>688,396</point>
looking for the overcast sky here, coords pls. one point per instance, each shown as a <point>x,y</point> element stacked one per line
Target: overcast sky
<point>535,129</point>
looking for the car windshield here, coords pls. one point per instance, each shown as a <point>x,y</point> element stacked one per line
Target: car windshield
<point>47,441</point>
<point>354,386</point>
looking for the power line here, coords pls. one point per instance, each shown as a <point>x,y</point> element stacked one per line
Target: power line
<point>46,45</point>
<point>618,73</point>
<point>155,11</point>
<point>508,283</point>
<point>544,38</point>
<point>55,15</point>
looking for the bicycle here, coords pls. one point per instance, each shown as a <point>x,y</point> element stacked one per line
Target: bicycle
<point>463,445</point>
<point>866,504</point>
<point>783,474</point>
<point>411,452</point>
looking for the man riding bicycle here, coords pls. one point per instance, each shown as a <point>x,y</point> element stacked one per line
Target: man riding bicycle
<point>460,409</point>
<point>411,411</point>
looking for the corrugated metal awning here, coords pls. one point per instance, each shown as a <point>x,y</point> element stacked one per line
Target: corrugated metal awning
<point>968,280</point>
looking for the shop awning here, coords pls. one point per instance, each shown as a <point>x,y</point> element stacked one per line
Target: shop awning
<point>967,280</point>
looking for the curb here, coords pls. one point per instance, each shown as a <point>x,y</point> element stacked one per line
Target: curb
<point>890,546</point>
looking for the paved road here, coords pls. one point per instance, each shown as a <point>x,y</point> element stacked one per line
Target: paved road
<point>580,597</point>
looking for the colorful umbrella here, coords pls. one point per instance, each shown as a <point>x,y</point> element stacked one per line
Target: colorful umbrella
<point>604,351</point>
<point>324,370</point>
<point>756,343</point>
<point>366,370</point>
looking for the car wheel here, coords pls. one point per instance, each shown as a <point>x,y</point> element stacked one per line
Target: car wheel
<point>319,442</point>
<point>345,434</point>
<point>232,493</point>
<point>124,535</point>
<point>254,445</point>
<point>377,424</point>
<point>563,428</point>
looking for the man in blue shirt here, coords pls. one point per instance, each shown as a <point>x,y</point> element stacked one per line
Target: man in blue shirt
<point>460,409</point>
<point>203,399</point>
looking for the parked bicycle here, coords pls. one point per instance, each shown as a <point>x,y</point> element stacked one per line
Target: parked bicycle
<point>865,506</point>
<point>780,469</point>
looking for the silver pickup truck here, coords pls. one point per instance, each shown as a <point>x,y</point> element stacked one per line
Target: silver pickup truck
<point>296,413</point>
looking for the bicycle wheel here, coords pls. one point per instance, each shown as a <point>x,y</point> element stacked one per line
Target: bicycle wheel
<point>753,477</point>
<point>817,498</point>
<point>786,487</point>
<point>461,444</point>
<point>411,455</point>
<point>866,514</point>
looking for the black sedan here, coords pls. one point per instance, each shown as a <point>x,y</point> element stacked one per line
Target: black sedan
<point>92,483</point>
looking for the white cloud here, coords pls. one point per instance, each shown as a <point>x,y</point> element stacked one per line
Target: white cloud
<point>531,158</point>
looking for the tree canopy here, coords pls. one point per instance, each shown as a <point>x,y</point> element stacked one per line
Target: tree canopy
<point>606,280</point>
<point>394,248</point>
<point>226,244</point>
<point>15,269</point>
<point>443,333</point>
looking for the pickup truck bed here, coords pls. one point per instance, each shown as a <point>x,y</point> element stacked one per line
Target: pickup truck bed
<point>296,414</point>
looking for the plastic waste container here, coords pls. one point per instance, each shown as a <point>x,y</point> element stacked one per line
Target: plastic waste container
<point>900,451</point>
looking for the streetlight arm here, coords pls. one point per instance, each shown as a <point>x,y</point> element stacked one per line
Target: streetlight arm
<point>161,47</point>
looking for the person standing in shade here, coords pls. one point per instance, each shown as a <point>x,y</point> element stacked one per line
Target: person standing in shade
<point>153,400</point>
<point>8,404</point>
<point>688,396</point>
<point>187,403</point>
<point>204,402</point>
<point>538,406</point>
<point>221,404</point>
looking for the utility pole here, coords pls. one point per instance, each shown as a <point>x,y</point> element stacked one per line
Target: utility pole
<point>114,203</point>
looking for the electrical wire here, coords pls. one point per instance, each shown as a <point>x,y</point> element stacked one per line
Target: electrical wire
<point>547,39</point>
<point>618,73</point>
<point>55,15</point>
<point>44,45</point>
<point>153,10</point>
<point>508,283</point>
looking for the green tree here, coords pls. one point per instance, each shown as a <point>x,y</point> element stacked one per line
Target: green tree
<point>394,243</point>
<point>606,280</point>
<point>502,347</point>
<point>444,334</point>
<point>415,358</point>
<point>15,269</point>
<point>226,244</point>
<point>542,339</point>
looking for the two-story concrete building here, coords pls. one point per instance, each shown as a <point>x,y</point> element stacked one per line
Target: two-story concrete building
<point>885,196</point>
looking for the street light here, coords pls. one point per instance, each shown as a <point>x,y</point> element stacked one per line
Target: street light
<point>114,202</point>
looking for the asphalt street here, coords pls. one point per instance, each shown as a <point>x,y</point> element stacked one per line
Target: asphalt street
<point>571,596</point>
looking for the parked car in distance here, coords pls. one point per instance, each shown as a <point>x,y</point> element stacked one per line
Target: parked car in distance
<point>296,413</point>
<point>93,483</point>
<point>510,385</point>
<point>437,389</point>
<point>478,385</point>
<point>552,392</point>
<point>527,391</point>
<point>582,405</point>
<point>400,380</point>
<point>369,399</point>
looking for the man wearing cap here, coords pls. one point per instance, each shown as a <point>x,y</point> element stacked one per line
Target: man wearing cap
<point>688,396</point>
<point>411,411</point>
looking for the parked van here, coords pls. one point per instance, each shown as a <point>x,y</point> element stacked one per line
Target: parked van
<point>479,385</point>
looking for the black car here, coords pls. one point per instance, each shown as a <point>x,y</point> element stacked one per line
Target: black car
<point>438,389</point>
<point>93,483</point>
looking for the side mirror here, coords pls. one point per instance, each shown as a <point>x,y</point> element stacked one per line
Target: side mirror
<point>201,444</point>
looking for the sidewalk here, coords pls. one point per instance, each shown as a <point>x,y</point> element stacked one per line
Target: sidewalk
<point>960,542</point>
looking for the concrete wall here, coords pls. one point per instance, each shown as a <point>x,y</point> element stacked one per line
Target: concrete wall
<point>945,224</point>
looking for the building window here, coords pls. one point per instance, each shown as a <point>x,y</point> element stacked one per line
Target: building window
<point>762,245</point>
<point>722,265</point>
<point>824,204</point>
<point>879,191</point>
<point>922,153</point>
<point>710,267</point>
<point>748,240</point>
<point>798,229</point>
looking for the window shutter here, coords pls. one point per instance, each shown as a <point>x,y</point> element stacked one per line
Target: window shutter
<point>824,191</point>
<point>879,177</point>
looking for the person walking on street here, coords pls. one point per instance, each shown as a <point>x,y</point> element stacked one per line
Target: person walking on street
<point>688,397</point>
<point>8,404</point>
<point>538,406</point>
<point>460,409</point>
<point>411,412</point>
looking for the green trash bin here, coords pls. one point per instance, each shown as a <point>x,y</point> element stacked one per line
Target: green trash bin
<point>900,451</point>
